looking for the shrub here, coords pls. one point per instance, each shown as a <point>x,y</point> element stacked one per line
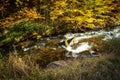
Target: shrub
<point>19,32</point>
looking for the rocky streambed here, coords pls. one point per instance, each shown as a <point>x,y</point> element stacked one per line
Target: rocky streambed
<point>69,46</point>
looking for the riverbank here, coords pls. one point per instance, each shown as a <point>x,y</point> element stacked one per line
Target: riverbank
<point>105,67</point>
<point>49,63</point>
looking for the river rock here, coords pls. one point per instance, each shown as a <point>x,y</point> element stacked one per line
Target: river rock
<point>60,63</point>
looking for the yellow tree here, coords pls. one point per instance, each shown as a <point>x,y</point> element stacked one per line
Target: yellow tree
<point>87,13</point>
<point>71,13</point>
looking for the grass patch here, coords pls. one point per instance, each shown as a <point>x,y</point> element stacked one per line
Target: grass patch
<point>112,46</point>
<point>16,67</point>
<point>106,70</point>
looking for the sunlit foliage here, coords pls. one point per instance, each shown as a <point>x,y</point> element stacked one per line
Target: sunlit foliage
<point>62,14</point>
<point>87,13</point>
<point>91,13</point>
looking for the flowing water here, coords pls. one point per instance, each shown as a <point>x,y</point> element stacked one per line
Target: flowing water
<point>54,42</point>
<point>104,35</point>
<point>73,45</point>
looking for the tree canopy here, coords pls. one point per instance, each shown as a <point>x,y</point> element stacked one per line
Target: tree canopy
<point>73,14</point>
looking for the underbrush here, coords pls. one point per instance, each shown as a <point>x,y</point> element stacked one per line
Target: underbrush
<point>112,46</point>
<point>23,31</point>
<point>105,67</point>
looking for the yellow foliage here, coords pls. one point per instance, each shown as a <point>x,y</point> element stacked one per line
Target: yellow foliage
<point>90,20</point>
<point>74,11</point>
<point>101,22</point>
<point>89,12</point>
<point>56,12</point>
<point>80,19</point>
<point>24,14</point>
<point>61,3</point>
<point>28,14</point>
<point>53,18</point>
<point>90,26</point>
<point>82,12</point>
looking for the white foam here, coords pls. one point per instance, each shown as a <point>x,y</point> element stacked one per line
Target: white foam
<point>106,35</point>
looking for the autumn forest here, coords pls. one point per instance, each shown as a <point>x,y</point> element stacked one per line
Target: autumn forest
<point>59,39</point>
